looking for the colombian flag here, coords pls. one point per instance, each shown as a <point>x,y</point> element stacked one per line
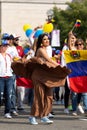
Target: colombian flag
<point>76,60</point>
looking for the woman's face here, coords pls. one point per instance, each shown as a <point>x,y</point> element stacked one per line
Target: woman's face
<point>73,39</point>
<point>45,41</point>
<point>79,46</point>
<point>72,42</point>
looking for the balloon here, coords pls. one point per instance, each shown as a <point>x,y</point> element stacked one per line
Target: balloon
<point>48,27</point>
<point>28,32</point>
<point>37,33</point>
<point>26,27</point>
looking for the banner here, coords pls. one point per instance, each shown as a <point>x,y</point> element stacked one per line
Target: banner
<point>76,60</point>
<point>55,42</point>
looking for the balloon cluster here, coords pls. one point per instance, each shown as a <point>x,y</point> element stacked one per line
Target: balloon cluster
<point>47,28</point>
<point>27,29</point>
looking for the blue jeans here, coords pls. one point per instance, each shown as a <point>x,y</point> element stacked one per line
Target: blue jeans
<point>13,98</point>
<point>76,99</point>
<point>6,85</point>
<point>84,97</point>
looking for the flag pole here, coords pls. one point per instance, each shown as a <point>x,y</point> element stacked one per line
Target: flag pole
<point>73,28</point>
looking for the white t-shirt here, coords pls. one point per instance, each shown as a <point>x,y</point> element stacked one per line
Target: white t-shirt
<point>12,51</point>
<point>5,66</point>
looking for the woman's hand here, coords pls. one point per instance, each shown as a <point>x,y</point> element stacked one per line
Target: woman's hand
<point>40,60</point>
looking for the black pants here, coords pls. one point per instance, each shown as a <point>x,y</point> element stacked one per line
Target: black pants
<point>66,95</point>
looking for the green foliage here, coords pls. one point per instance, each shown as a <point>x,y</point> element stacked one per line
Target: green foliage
<point>65,20</point>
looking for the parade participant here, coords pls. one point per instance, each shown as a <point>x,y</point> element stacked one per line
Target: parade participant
<point>6,78</point>
<point>12,51</point>
<point>20,89</point>
<point>70,45</point>
<point>42,53</point>
<point>76,97</point>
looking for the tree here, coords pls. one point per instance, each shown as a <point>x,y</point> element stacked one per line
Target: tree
<point>65,19</point>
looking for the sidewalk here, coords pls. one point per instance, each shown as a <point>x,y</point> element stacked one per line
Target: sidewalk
<point>61,121</point>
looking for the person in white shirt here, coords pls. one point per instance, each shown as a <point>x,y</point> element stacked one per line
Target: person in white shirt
<point>6,78</point>
<point>12,51</point>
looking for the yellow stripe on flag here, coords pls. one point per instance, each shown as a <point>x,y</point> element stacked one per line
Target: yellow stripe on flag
<point>75,55</point>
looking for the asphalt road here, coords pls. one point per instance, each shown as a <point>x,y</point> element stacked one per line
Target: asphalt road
<point>61,121</point>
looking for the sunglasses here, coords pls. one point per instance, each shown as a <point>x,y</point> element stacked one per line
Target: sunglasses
<point>78,44</point>
<point>16,39</point>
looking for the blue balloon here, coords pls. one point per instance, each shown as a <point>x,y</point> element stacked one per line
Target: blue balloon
<point>37,33</point>
<point>28,32</point>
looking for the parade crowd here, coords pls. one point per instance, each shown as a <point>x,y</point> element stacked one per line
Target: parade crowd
<point>35,91</point>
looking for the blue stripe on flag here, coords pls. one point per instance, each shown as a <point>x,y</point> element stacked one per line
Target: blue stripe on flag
<point>78,68</point>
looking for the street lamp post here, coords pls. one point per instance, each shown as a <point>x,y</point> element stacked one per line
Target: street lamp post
<point>49,20</point>
<point>49,15</point>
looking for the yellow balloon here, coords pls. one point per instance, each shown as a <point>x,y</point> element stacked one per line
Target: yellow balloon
<point>26,27</point>
<point>48,27</point>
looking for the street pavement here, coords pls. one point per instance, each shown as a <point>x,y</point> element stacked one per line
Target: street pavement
<point>61,121</point>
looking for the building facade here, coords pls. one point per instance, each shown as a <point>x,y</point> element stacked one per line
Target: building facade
<point>16,13</point>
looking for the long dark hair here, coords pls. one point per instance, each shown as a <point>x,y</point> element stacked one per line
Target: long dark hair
<point>39,41</point>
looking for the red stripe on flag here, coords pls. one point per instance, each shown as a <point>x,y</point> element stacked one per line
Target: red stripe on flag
<point>78,84</point>
<point>77,25</point>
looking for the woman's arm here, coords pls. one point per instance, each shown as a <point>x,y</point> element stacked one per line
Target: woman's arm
<point>44,54</point>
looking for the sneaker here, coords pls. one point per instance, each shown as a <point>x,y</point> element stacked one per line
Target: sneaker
<point>66,111</point>
<point>33,121</point>
<point>14,113</point>
<point>80,109</point>
<point>7,115</point>
<point>74,113</point>
<point>50,115</point>
<point>46,120</point>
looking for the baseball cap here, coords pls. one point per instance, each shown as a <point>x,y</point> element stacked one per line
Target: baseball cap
<point>4,42</point>
<point>15,36</point>
<point>11,37</point>
<point>6,36</point>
